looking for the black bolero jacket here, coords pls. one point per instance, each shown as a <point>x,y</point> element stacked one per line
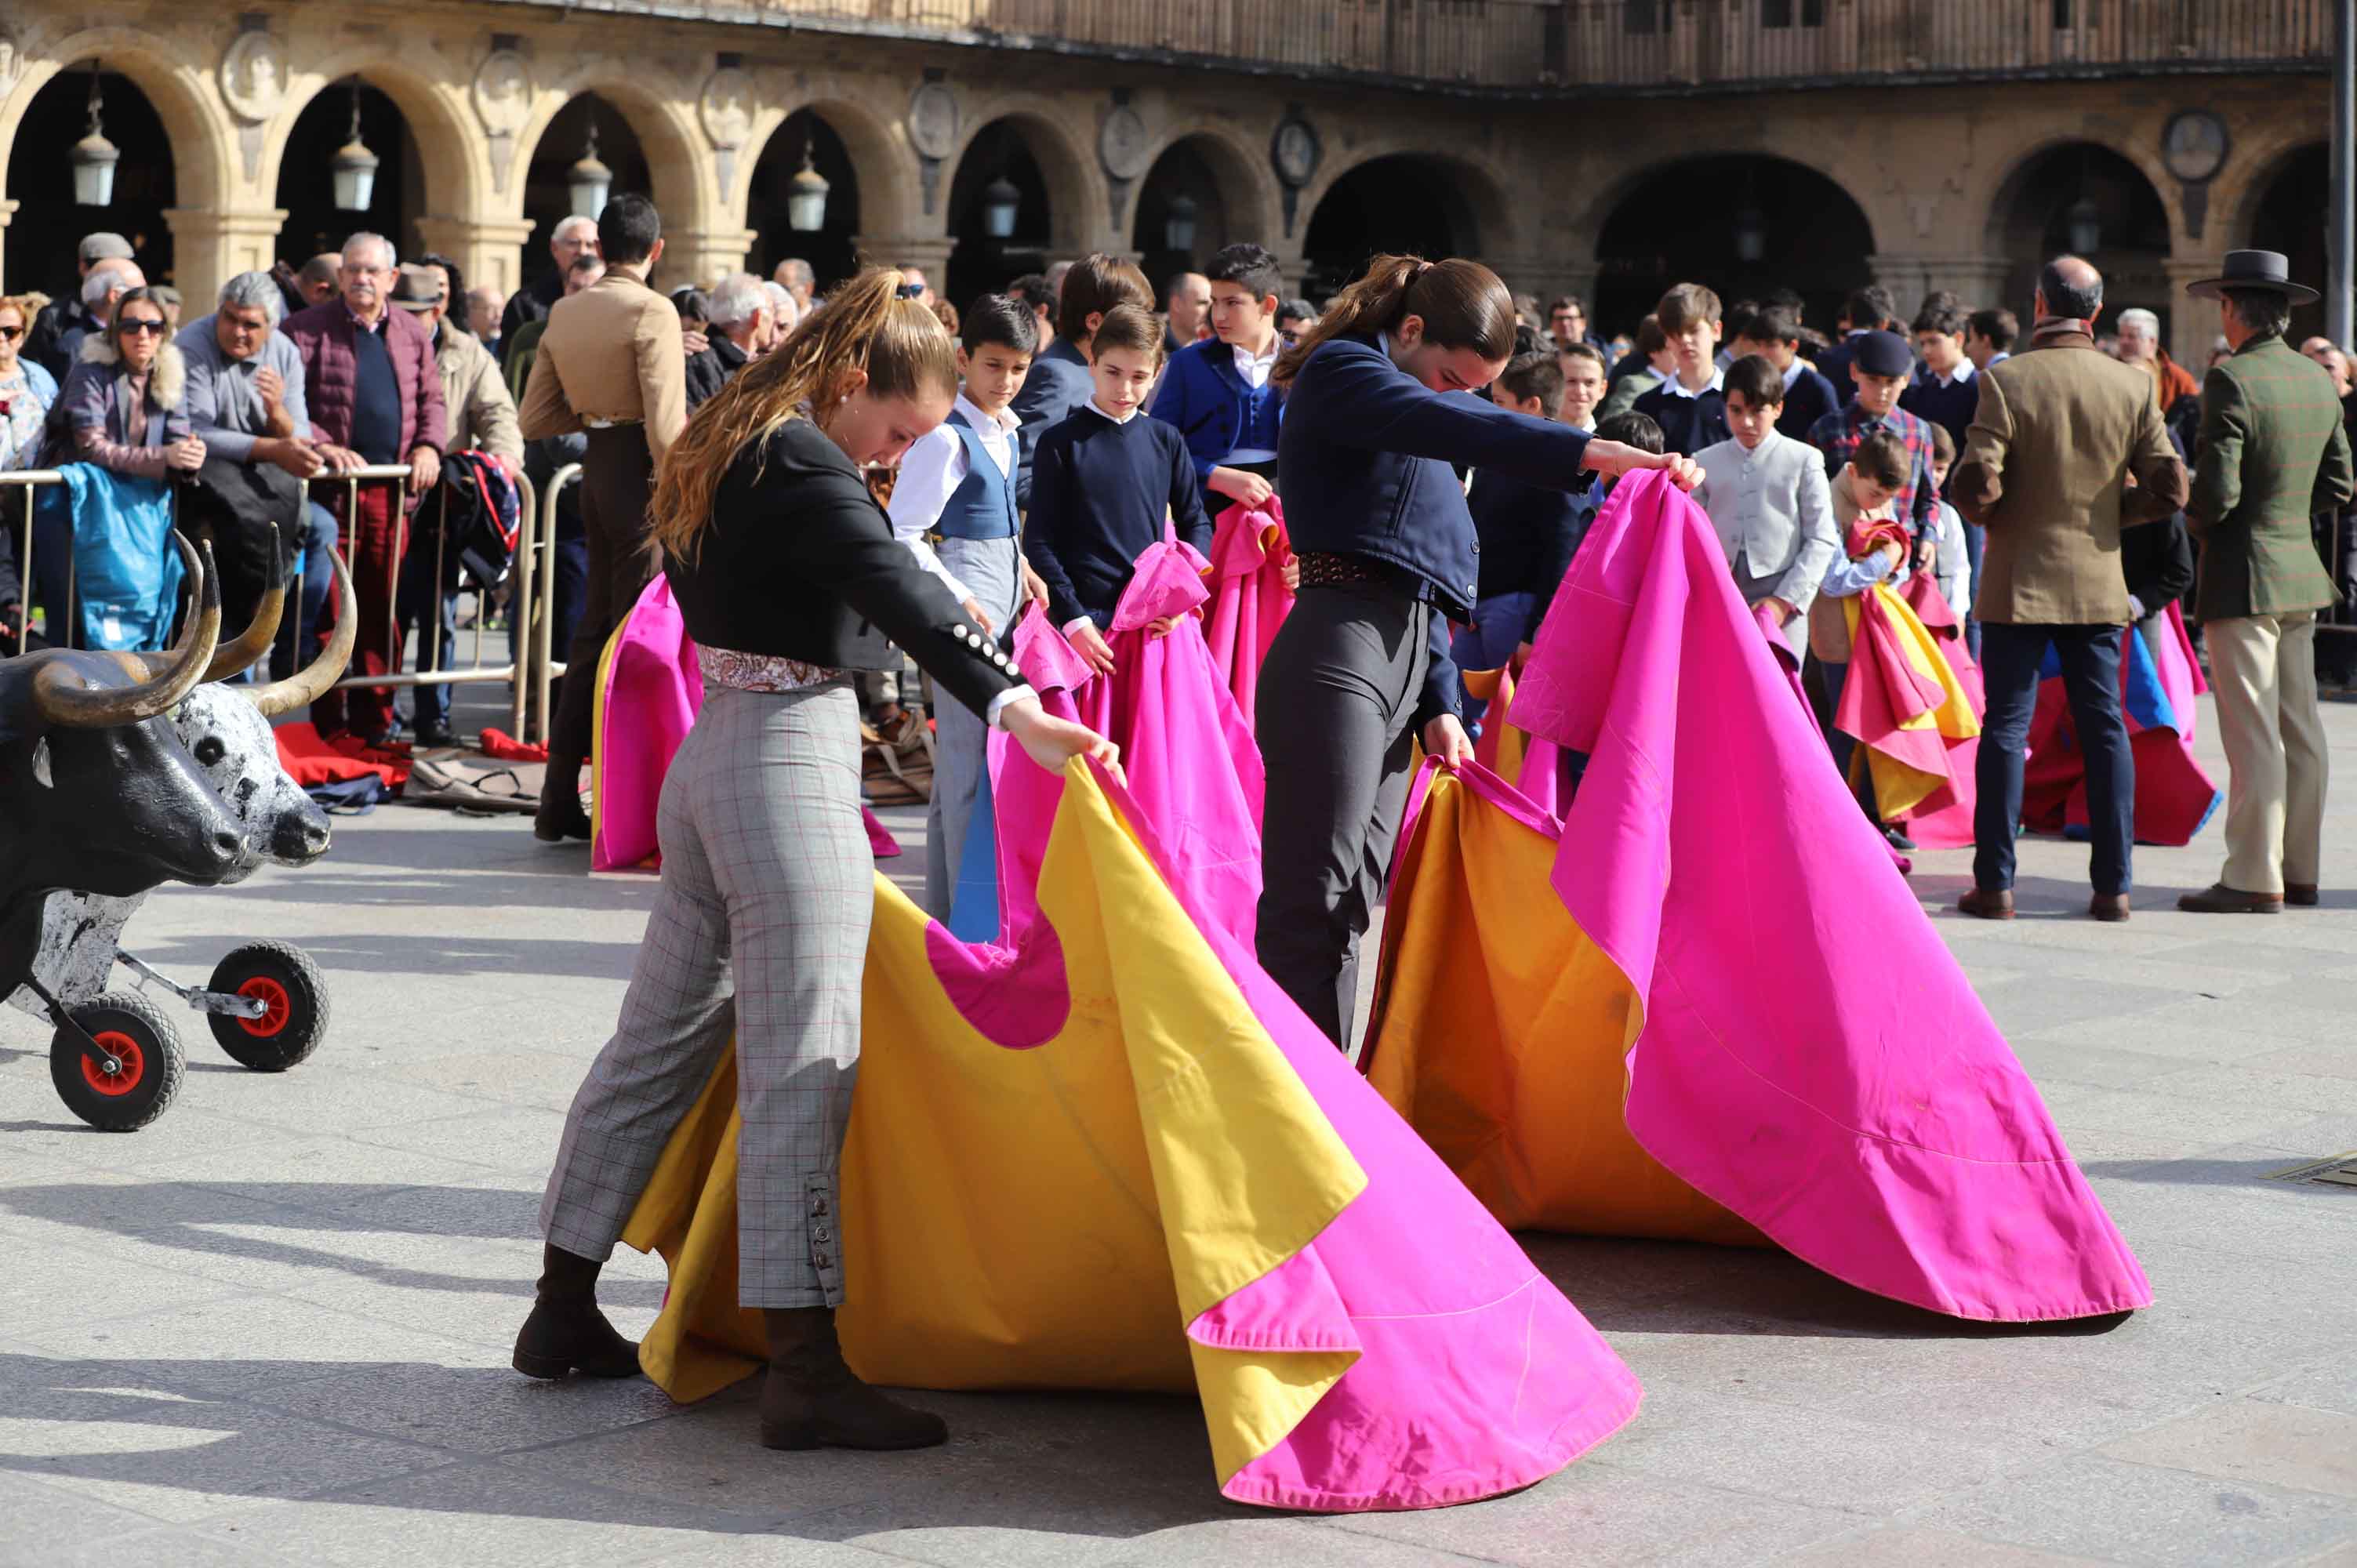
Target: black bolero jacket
<point>800,562</point>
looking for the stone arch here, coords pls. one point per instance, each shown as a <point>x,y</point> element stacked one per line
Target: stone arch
<point>205,164</point>
<point>877,147</point>
<point>2282,205</point>
<point>2139,223</point>
<point>1588,219</point>
<point>1464,210</point>
<point>1246,187</point>
<point>680,166</point>
<point>1814,234</point>
<point>1073,187</point>
<point>2256,175</point>
<point>845,148</point>
<point>449,143</point>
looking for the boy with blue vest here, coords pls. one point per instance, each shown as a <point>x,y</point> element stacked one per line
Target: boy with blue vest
<point>954,506</point>
<point>1105,483</point>
<point>1217,392</point>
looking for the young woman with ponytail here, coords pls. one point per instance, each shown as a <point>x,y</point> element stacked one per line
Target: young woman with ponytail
<point>1361,668</point>
<point>788,576</point>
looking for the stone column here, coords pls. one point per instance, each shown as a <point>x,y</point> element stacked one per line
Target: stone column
<point>2193,323</point>
<point>8,212</point>
<point>489,252</point>
<point>929,251</point>
<point>701,258</point>
<point>210,248</point>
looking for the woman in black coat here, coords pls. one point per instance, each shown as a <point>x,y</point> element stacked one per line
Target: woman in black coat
<point>789,578</point>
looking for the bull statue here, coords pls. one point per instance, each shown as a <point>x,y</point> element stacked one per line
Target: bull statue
<point>128,769</point>
<point>226,730</point>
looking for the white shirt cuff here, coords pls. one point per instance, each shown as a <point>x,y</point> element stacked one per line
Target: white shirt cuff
<point>1074,624</point>
<point>999,703</point>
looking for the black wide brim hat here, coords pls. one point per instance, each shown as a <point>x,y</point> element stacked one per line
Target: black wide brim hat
<point>2254,269</point>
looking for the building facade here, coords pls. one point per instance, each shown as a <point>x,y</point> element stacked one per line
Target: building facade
<point>1603,147</point>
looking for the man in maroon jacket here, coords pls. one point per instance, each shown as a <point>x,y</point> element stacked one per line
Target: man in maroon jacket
<point>375,399</point>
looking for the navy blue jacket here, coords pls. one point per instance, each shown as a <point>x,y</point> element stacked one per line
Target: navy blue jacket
<point>1949,407</point>
<point>1809,399</point>
<point>1059,382</point>
<point>1835,364</point>
<point>1208,398</point>
<point>1103,492</point>
<point>1363,462</point>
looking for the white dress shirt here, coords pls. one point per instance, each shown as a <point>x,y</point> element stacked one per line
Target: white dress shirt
<point>1254,368</point>
<point>930,474</point>
<point>1677,388</point>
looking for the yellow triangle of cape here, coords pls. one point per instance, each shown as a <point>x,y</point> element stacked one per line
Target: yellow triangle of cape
<point>1053,1216</point>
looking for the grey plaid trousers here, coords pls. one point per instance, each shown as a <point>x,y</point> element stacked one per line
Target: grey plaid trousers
<point>761,929</point>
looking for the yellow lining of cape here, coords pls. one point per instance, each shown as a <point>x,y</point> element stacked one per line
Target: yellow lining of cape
<point>1049,1217</point>
<point>1504,1036</point>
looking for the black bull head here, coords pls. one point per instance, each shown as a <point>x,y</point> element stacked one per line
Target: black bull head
<point>98,793</point>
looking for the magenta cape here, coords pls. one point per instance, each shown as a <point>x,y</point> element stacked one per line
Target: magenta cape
<point>1192,765</point>
<point>2174,795</point>
<point>650,690</point>
<point>1249,598</point>
<point>1809,1057</point>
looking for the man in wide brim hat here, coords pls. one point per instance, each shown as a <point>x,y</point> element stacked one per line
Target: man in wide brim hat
<point>2272,453</point>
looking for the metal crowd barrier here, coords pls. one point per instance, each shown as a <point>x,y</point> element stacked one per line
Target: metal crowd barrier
<point>24,480</point>
<point>521,604</point>
<point>547,667</point>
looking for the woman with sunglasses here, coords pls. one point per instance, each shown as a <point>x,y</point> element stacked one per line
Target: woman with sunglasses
<point>125,402</point>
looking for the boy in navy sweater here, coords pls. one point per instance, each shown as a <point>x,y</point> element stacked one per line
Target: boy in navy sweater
<point>1527,533</point>
<point>1775,335</point>
<point>1102,482</point>
<point>1689,406</point>
<point>1217,392</point>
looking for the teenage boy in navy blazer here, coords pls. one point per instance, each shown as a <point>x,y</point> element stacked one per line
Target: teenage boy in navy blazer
<point>1774,334</point>
<point>1217,392</point>
<point>1060,380</point>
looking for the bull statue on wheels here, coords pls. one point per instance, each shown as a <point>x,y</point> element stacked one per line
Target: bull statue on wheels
<point>179,780</point>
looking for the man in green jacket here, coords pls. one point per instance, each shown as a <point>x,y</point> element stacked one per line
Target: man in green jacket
<point>2272,452</point>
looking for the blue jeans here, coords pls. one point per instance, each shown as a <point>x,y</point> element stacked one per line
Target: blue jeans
<point>2011,663</point>
<point>1501,623</point>
<point>1975,545</point>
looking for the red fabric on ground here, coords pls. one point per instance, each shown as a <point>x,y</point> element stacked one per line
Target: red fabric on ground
<point>373,550</point>
<point>310,758</point>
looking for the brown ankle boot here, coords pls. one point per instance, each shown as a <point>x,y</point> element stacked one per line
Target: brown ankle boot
<point>812,1401</point>
<point>565,1332</point>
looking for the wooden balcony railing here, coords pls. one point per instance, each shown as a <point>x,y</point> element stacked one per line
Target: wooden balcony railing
<point>1592,46</point>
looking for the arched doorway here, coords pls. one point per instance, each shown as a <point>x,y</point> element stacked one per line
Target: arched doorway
<point>1402,203</point>
<point>829,248</point>
<point>1762,224</point>
<point>316,220</point>
<point>2058,201</point>
<point>587,126</point>
<point>45,235</point>
<point>1000,164</point>
<point>1183,215</point>
<point>2289,217</point>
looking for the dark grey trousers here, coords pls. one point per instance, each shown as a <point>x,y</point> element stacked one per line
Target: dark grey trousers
<point>1337,696</point>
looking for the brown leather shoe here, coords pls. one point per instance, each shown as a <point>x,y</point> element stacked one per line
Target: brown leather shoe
<point>2219,899</point>
<point>2109,908</point>
<point>812,1401</point>
<point>2303,893</point>
<point>1988,903</point>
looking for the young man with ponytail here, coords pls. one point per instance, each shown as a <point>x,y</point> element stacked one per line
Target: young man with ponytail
<point>1361,670</point>
<point>788,576</point>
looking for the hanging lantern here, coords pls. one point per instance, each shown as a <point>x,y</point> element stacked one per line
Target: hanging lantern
<point>95,156</point>
<point>806,196</point>
<point>2086,227</point>
<point>1179,224</point>
<point>588,180</point>
<point>355,166</point>
<point>1001,203</point>
<point>1750,234</point>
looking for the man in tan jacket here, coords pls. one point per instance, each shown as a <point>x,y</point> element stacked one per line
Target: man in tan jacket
<point>2066,449</point>
<point>612,362</point>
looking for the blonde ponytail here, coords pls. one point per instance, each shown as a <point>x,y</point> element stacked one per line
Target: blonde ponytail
<point>865,326</point>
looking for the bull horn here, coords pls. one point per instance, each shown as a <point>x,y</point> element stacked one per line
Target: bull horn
<point>62,700</point>
<point>254,643</point>
<point>310,685</point>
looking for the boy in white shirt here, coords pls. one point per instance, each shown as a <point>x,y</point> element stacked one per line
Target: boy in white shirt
<point>954,506</point>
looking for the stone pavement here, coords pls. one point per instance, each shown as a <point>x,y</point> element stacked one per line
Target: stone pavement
<point>274,1326</point>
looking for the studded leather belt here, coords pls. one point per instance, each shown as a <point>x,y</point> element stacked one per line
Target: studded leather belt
<point>1320,569</point>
